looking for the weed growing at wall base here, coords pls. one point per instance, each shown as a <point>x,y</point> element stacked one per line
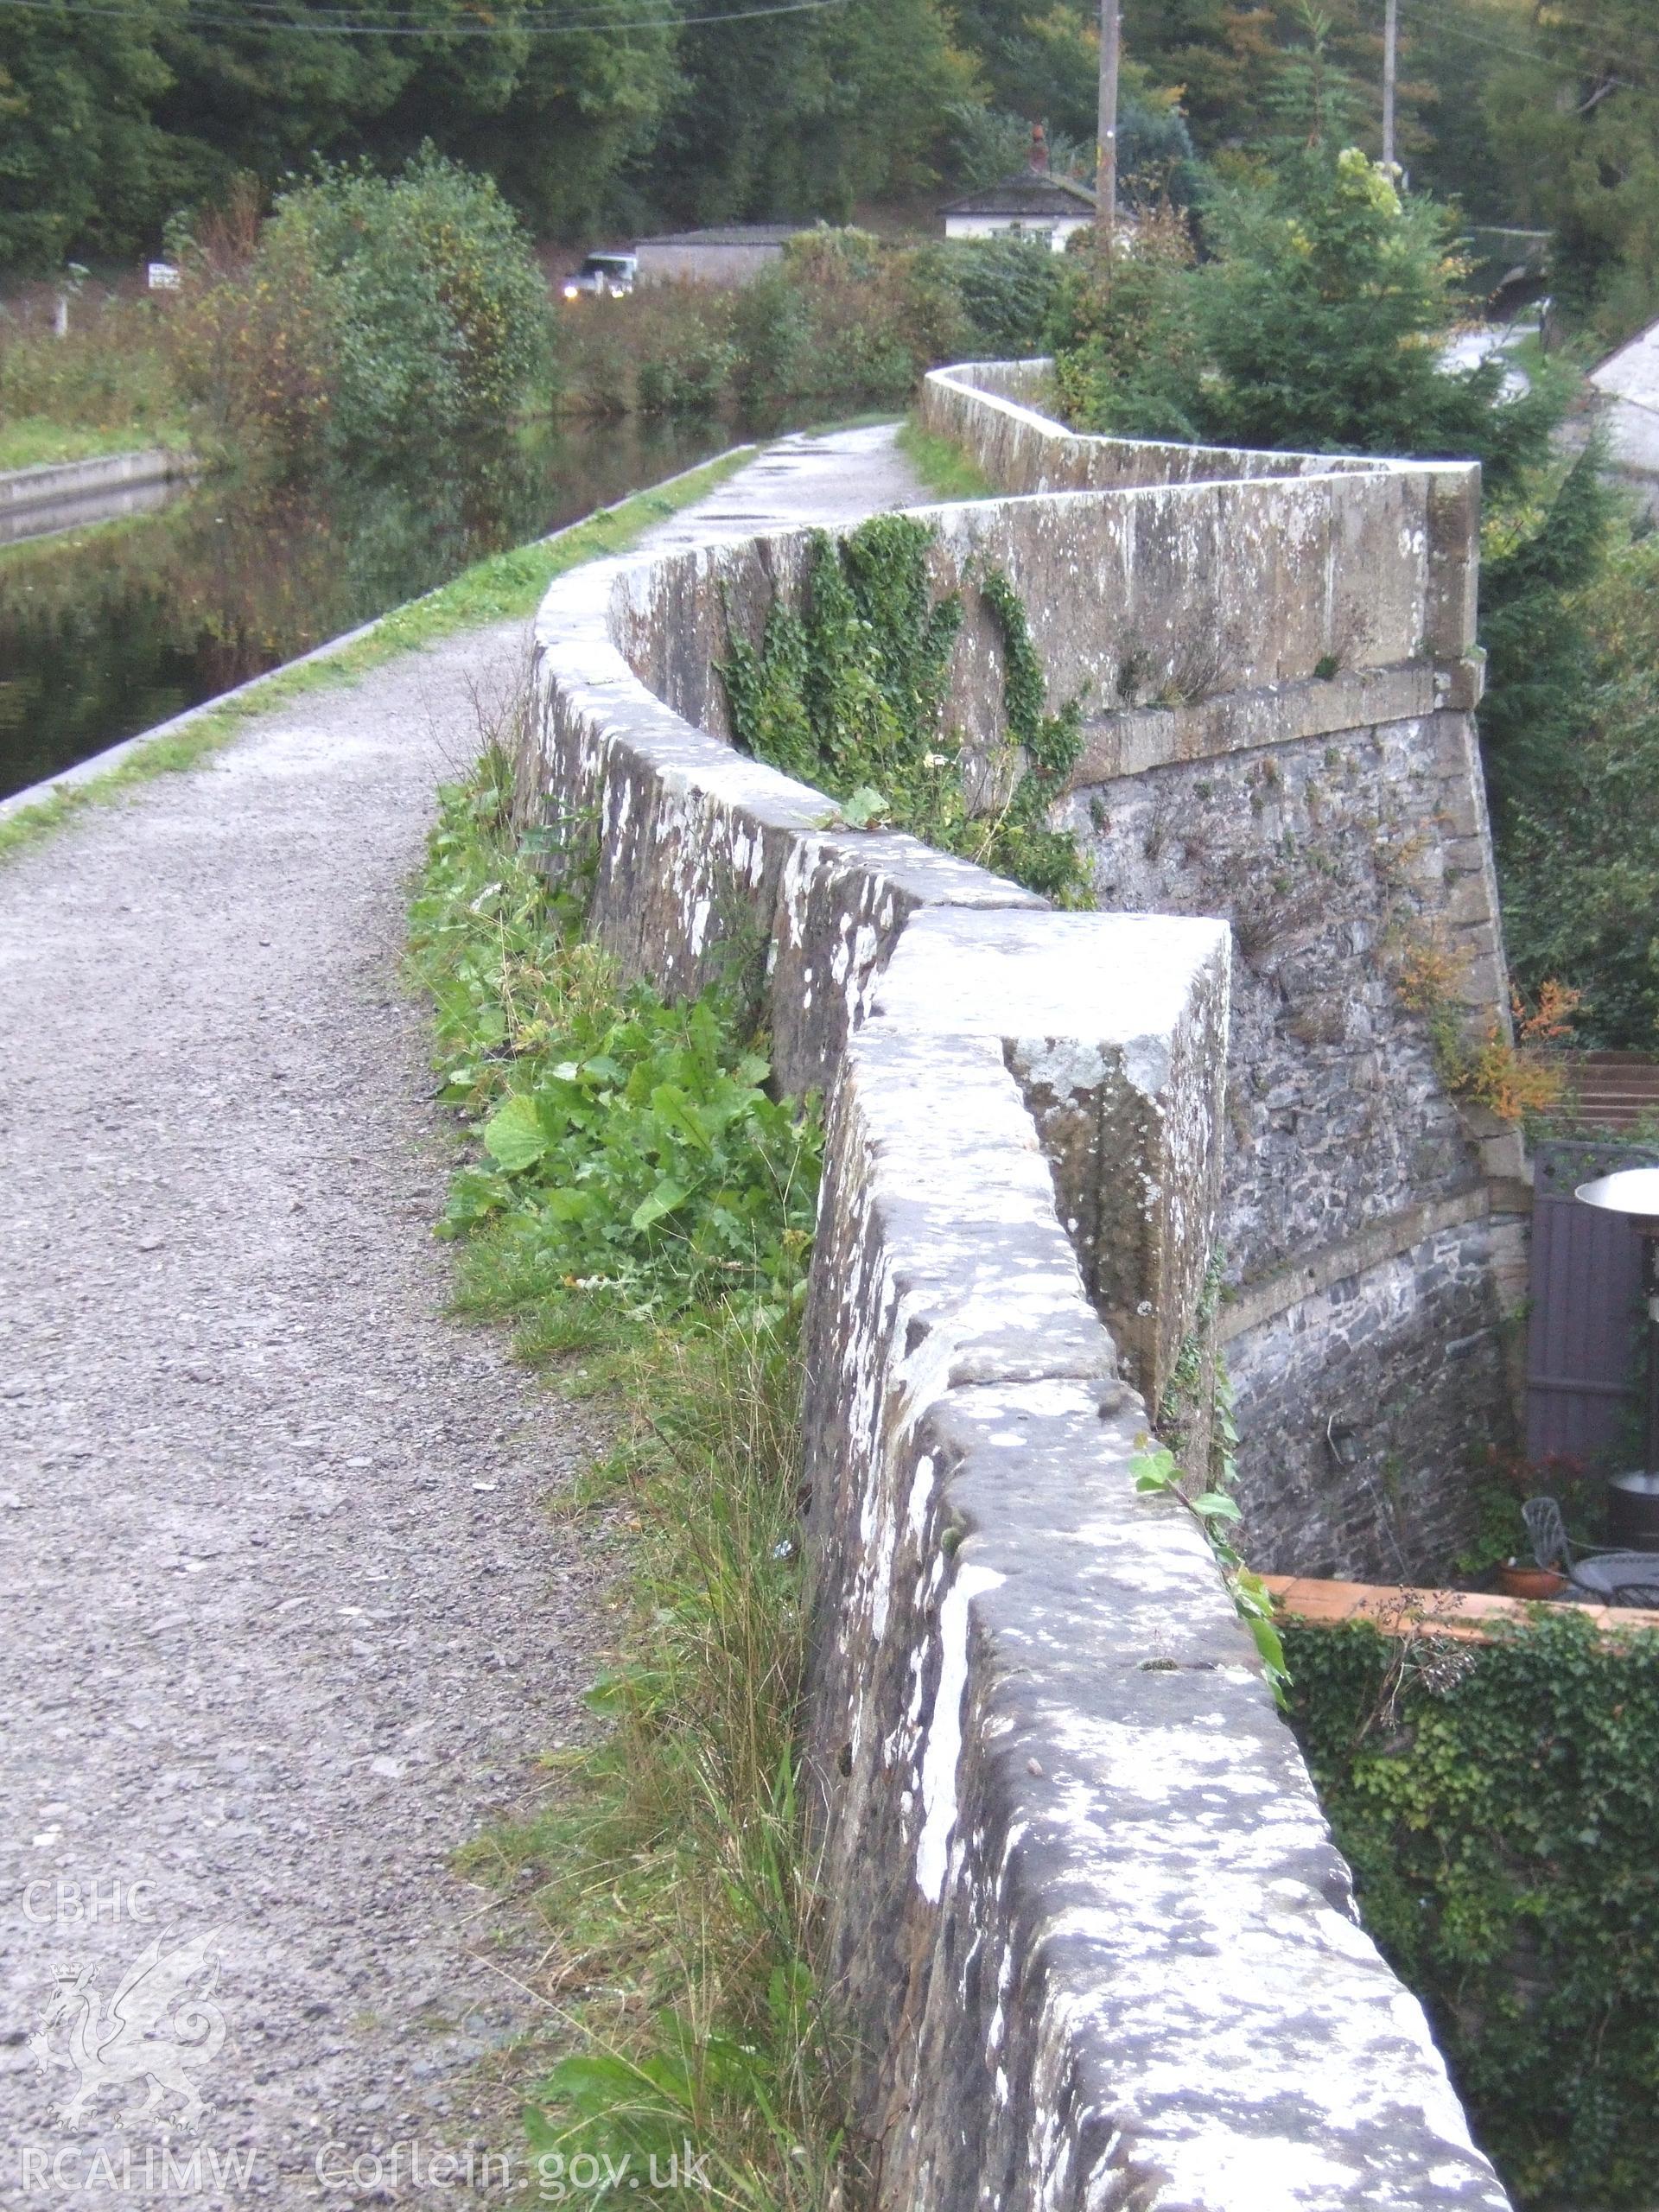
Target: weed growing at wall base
<point>631,1165</point>
<point>635,1196</point>
<point>948,472</point>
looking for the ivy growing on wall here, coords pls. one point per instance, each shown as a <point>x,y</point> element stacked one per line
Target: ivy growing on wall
<point>849,694</point>
<point>1499,1804</point>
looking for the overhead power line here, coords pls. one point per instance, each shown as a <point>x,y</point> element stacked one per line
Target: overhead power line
<point>1566,58</point>
<point>541,25</point>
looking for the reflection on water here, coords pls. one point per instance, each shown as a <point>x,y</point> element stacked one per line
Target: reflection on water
<point>107,630</point>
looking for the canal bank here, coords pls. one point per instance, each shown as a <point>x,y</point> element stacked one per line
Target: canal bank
<point>63,495</point>
<point>483,594</point>
<point>117,626</point>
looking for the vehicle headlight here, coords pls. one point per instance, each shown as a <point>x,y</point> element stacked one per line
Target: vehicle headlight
<point>573,291</point>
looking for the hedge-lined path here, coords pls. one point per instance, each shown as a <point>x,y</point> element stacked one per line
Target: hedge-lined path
<point>281,1621</point>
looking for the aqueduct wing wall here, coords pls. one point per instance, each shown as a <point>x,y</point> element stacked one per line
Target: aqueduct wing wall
<point>1324,795</point>
<point>1085,1914</point>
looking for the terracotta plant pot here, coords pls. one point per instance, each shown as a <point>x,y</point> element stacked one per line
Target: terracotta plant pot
<point>1530,1582</point>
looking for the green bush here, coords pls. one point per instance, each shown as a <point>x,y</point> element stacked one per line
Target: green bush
<point>436,314</point>
<point>842,318</point>
<point>1004,290</point>
<point>1497,1803</point>
<point>694,379</point>
<point>1128,351</point>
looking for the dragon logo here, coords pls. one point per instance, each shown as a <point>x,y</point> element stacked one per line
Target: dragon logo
<point>158,2028</point>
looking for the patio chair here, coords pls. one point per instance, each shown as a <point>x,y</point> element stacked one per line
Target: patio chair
<point>1603,1577</point>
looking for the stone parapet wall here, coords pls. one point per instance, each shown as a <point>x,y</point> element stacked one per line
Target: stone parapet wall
<point>1334,813</point>
<point>1086,1919</point>
<point>1329,594</point>
<point>1003,413</point>
<point>1339,548</point>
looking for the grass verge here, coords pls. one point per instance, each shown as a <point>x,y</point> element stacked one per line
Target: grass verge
<point>636,1203</point>
<point>35,442</point>
<point>496,590</point>
<point>943,468</point>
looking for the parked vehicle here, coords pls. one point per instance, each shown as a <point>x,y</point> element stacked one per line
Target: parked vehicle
<point>603,276</point>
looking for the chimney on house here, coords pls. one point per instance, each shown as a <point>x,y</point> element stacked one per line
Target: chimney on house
<point>1038,149</point>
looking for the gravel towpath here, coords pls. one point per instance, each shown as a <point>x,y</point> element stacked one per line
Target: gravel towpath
<point>282,1619</point>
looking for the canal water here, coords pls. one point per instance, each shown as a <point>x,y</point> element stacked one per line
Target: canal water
<point>108,629</point>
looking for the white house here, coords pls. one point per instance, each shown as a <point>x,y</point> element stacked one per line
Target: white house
<point>1035,204</point>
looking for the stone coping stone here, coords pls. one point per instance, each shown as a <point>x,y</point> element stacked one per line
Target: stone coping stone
<point>1114,1028</point>
<point>1082,1900</point>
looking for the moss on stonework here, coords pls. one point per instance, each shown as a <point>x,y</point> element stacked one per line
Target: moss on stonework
<point>850,694</point>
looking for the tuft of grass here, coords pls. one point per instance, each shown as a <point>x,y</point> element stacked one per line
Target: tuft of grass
<point>507,585</point>
<point>943,468</point>
<point>34,440</point>
<point>669,1865</point>
<point>668,1868</point>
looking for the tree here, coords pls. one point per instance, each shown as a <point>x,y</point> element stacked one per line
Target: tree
<point>1570,734</point>
<point>555,119</point>
<point>1128,350</point>
<point>1231,59</point>
<point>806,115</point>
<point>1224,58</point>
<point>1041,63</point>
<point>1573,123</point>
<point>1316,327</point>
<point>83,165</point>
<point>572,143</point>
<point>268,97</point>
<point>1324,314</point>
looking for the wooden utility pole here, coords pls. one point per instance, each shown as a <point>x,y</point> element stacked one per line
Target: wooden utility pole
<point>1106,148</point>
<point>1391,65</point>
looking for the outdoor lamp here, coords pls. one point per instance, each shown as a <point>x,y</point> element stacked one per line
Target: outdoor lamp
<point>1634,1498</point>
